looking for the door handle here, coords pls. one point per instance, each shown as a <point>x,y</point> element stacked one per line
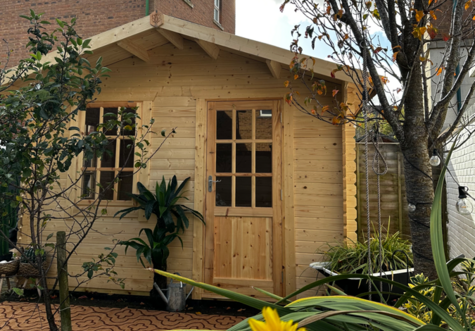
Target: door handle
<point>210,183</point>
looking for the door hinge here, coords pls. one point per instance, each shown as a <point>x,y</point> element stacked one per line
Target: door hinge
<point>281,195</point>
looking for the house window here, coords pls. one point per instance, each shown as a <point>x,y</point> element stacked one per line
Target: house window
<point>119,156</point>
<point>217,9</point>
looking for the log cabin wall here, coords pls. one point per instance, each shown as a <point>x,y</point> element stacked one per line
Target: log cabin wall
<point>173,88</point>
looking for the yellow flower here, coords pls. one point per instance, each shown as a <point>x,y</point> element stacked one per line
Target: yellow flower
<point>272,322</point>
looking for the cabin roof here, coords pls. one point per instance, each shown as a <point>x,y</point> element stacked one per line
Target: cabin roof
<point>138,37</point>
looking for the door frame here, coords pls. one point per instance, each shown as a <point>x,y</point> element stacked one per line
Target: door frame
<point>200,194</point>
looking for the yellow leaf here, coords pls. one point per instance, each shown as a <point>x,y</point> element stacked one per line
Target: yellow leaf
<point>439,71</point>
<point>467,5</point>
<point>325,108</point>
<point>419,15</point>
<point>334,92</point>
<point>296,76</point>
<point>286,84</point>
<point>422,59</point>
<point>313,111</point>
<point>430,1</point>
<point>395,56</point>
<point>433,14</point>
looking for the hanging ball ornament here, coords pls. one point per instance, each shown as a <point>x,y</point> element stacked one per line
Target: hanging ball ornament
<point>435,159</point>
<point>411,208</point>
<point>463,205</point>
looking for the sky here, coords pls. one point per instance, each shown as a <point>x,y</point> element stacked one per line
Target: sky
<point>262,20</point>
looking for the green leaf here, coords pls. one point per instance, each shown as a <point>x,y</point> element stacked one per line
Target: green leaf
<point>437,238</point>
<point>18,291</point>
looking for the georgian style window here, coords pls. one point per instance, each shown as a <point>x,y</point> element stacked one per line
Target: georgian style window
<point>120,156</point>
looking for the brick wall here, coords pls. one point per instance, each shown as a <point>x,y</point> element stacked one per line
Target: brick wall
<point>96,16</point>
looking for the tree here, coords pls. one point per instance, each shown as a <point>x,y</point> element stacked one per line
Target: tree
<point>398,53</point>
<point>39,103</point>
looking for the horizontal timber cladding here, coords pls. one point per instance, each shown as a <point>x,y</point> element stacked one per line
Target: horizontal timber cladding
<point>171,87</point>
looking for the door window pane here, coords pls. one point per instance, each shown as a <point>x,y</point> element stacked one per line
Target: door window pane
<point>263,191</point>
<point>224,155</point>
<point>244,124</point>
<point>264,158</point>
<point>244,158</point>
<point>106,179</point>
<point>224,124</point>
<point>126,154</point>
<point>108,158</point>
<point>264,124</point>
<point>111,114</point>
<point>125,186</point>
<point>223,191</point>
<point>243,191</point>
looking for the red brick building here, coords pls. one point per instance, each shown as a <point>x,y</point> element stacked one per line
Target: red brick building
<point>96,16</point>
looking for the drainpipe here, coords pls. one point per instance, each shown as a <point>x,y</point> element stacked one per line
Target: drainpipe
<point>457,72</point>
<point>147,7</point>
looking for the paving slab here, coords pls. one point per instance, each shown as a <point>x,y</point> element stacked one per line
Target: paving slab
<point>30,317</point>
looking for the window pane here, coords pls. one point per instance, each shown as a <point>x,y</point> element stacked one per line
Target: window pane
<point>125,185</point>
<point>263,191</point>
<point>224,124</point>
<point>243,191</point>
<point>130,121</point>
<point>264,158</point>
<point>224,157</point>
<point>88,185</point>
<point>244,158</point>
<point>90,163</point>
<point>92,119</point>
<point>114,111</point>
<point>106,179</point>
<point>244,124</point>
<point>264,124</point>
<point>108,158</point>
<point>126,154</point>
<point>223,191</point>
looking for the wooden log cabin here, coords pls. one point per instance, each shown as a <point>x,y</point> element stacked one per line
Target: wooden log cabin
<point>273,183</point>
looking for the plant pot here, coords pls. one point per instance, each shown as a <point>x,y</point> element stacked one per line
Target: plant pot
<point>9,268</point>
<point>356,286</point>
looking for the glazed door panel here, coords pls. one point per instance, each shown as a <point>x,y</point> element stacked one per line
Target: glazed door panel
<point>243,242</point>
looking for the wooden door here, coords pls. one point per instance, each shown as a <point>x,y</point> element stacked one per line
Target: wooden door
<point>243,244</point>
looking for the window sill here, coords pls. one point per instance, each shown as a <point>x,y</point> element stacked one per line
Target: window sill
<point>188,2</point>
<point>218,24</point>
<point>108,203</point>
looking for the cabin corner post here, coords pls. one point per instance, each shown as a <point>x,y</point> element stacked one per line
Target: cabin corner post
<point>349,171</point>
<point>290,272</point>
<point>200,193</point>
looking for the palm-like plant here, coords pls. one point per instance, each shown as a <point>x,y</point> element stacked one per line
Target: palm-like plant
<point>171,220</point>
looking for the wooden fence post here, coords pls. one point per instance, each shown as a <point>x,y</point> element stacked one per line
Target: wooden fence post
<point>65,309</point>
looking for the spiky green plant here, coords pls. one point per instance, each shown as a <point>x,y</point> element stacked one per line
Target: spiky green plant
<point>171,220</point>
<point>352,257</point>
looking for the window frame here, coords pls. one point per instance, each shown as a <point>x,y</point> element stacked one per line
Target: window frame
<point>98,169</point>
<point>217,11</point>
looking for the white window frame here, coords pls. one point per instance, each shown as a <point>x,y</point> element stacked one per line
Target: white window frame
<point>217,9</point>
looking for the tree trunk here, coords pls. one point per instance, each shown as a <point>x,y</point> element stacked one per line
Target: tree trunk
<point>47,299</point>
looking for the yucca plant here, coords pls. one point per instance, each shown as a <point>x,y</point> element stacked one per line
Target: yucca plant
<point>171,221</point>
